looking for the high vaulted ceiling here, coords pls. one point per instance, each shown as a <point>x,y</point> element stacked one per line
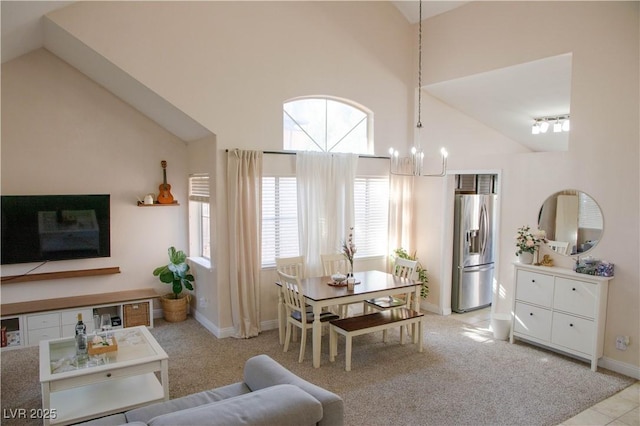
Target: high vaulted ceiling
<point>506,100</point>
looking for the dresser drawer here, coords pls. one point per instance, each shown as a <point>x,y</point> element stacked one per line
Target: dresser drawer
<point>573,333</point>
<point>532,321</point>
<point>535,288</point>
<point>70,318</point>
<point>36,322</point>
<point>575,297</point>
<point>34,336</point>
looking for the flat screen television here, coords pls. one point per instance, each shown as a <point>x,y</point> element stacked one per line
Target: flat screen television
<point>38,228</point>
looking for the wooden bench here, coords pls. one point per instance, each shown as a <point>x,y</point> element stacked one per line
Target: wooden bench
<point>368,323</point>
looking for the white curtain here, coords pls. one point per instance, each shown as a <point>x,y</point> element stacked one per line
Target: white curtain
<point>325,203</point>
<point>401,210</point>
<point>244,201</point>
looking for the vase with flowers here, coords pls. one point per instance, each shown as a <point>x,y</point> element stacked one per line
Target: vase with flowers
<point>349,251</point>
<point>527,243</point>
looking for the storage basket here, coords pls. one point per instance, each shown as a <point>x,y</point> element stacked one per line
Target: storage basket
<point>175,310</point>
<point>136,314</point>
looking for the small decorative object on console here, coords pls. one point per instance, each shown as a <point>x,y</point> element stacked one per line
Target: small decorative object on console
<point>591,266</point>
<point>527,241</point>
<point>546,260</point>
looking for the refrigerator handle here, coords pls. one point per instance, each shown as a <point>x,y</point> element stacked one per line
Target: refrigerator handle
<point>473,269</point>
<point>484,220</point>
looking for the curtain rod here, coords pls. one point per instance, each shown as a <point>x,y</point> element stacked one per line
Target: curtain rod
<point>294,153</point>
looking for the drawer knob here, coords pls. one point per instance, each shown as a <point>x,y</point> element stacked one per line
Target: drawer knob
<point>531,313</point>
<point>574,289</point>
<point>570,325</point>
<point>533,281</point>
<point>108,374</point>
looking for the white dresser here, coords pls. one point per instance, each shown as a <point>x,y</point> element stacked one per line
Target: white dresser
<point>560,309</point>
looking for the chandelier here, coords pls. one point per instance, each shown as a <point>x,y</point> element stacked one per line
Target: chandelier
<point>416,156</point>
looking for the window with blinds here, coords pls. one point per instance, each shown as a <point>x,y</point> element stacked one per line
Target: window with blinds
<point>371,199</point>
<point>280,217</point>
<point>199,188</point>
<point>200,220</point>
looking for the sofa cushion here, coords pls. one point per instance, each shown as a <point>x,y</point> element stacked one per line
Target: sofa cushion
<point>261,371</point>
<point>144,414</point>
<point>276,405</point>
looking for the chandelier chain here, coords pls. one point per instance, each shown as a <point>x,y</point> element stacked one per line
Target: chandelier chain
<point>419,123</point>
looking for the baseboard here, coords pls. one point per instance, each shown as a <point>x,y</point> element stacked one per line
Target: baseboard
<point>269,325</point>
<point>429,307</point>
<point>623,368</point>
<point>204,321</point>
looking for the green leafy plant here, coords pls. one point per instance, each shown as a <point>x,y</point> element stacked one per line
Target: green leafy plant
<point>528,241</point>
<point>422,272</point>
<point>176,272</point>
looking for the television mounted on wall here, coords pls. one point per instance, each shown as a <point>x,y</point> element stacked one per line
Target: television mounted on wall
<point>39,228</point>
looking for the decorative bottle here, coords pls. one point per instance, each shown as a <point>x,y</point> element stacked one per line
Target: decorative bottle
<point>81,341</point>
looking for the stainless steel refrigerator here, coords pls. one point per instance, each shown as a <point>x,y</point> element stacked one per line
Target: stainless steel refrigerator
<point>473,252</point>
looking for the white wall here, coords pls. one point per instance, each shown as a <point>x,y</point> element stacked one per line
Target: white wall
<point>63,134</point>
<point>602,159</point>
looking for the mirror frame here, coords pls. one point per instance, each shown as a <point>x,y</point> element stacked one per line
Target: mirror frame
<point>590,236</point>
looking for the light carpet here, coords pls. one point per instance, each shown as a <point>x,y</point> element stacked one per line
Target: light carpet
<point>463,377</point>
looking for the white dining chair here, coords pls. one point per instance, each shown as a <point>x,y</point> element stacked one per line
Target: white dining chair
<point>403,268</point>
<point>294,265</point>
<point>296,312</point>
<point>335,263</point>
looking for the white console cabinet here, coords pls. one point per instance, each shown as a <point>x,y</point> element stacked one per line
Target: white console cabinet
<point>27,323</point>
<point>560,309</point>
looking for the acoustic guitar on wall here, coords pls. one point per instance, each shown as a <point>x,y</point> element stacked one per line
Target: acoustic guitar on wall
<point>164,196</point>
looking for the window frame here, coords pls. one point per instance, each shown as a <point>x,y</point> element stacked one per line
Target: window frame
<point>342,101</point>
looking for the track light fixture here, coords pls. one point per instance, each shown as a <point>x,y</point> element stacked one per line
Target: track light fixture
<point>416,156</point>
<point>541,125</point>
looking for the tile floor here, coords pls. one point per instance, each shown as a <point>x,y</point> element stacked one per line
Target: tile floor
<point>622,409</point>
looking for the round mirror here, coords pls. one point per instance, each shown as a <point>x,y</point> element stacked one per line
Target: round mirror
<point>573,222</point>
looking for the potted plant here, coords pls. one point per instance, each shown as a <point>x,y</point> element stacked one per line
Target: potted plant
<point>527,243</point>
<point>422,272</point>
<point>175,305</point>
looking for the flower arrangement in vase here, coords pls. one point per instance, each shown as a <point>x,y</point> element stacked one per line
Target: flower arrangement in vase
<point>349,250</point>
<point>527,242</point>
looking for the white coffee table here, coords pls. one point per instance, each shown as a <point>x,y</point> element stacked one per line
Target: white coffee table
<point>120,382</point>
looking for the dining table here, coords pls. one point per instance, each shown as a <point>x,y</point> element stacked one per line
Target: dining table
<point>321,292</point>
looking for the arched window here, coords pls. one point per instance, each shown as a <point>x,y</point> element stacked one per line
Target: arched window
<point>328,125</point>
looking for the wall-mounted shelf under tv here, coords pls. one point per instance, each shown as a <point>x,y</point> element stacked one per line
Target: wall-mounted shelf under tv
<point>141,204</point>
<point>11,279</point>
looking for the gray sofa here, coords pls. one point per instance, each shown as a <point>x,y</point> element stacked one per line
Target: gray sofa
<point>269,395</point>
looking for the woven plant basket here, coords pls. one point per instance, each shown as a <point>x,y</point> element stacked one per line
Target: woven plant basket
<point>175,310</point>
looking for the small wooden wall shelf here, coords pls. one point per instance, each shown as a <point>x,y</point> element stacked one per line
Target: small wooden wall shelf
<point>11,279</point>
<point>141,204</point>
